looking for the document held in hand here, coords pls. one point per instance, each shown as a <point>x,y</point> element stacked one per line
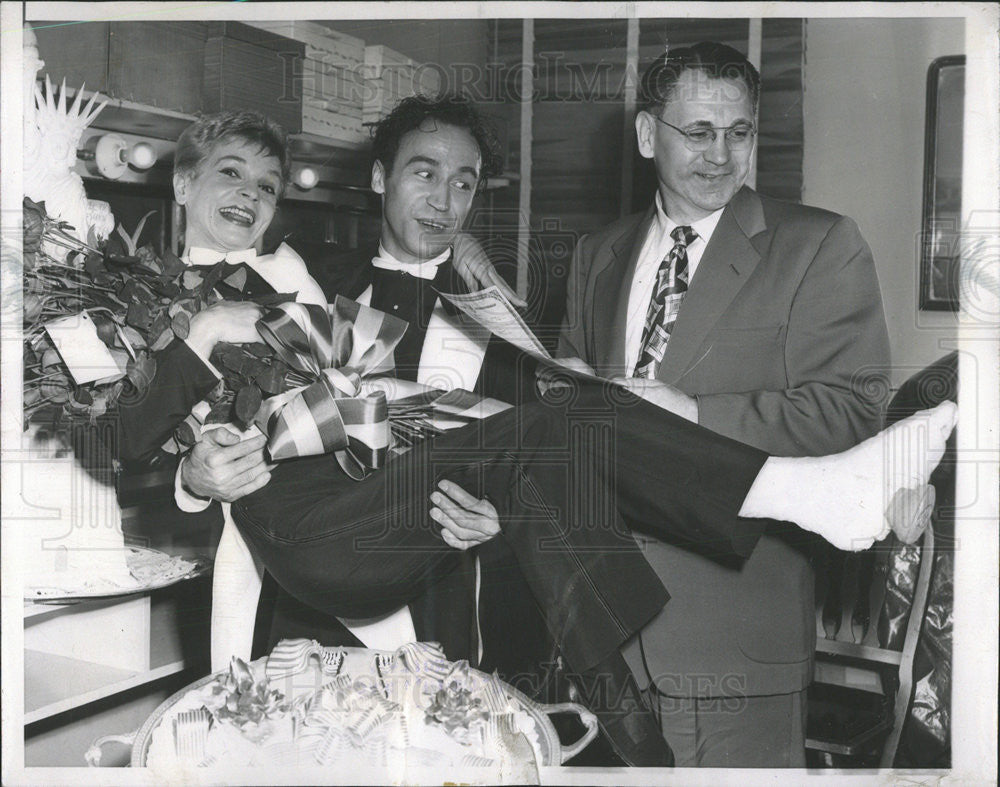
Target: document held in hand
<point>491,309</point>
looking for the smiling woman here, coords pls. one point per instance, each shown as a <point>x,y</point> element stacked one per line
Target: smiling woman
<point>229,200</point>
<point>229,174</point>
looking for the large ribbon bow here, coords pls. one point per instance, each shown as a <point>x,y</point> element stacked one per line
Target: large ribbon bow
<point>334,348</point>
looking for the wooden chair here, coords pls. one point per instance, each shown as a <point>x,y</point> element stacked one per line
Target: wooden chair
<point>863,680</point>
<point>875,681</point>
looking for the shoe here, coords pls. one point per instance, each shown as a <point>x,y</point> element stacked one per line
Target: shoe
<point>611,694</point>
<point>909,512</point>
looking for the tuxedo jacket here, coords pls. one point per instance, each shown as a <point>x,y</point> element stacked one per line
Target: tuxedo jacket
<point>781,317</point>
<point>504,373</point>
<point>445,611</point>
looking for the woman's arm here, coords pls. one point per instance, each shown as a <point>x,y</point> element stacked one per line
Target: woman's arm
<point>183,377</point>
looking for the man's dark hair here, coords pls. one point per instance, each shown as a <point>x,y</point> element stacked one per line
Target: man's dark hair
<point>197,141</point>
<point>411,113</point>
<point>718,61</point>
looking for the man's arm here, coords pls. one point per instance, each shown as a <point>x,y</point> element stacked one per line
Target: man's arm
<point>572,336</point>
<point>836,331</point>
<point>221,466</point>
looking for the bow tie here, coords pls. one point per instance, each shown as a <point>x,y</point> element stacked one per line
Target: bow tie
<point>200,256</point>
<point>421,270</point>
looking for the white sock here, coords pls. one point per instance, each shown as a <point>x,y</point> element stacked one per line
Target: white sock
<point>844,497</point>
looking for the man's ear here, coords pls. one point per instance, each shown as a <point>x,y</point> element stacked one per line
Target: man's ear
<point>645,133</point>
<point>181,181</point>
<point>378,177</point>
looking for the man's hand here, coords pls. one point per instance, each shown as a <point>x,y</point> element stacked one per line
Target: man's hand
<point>223,468</point>
<point>466,521</point>
<point>548,377</point>
<point>225,321</point>
<point>476,270</point>
<point>662,395</point>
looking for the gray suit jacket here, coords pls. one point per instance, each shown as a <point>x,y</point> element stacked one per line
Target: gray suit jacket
<point>782,316</point>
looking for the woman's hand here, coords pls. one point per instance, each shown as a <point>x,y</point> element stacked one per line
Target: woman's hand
<point>225,321</point>
<point>476,270</point>
<point>466,521</point>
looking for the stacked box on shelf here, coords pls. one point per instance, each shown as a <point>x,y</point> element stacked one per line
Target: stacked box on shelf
<point>330,80</point>
<point>340,88</point>
<point>319,119</point>
<point>333,114</point>
<point>322,44</point>
<point>246,68</point>
<point>391,76</point>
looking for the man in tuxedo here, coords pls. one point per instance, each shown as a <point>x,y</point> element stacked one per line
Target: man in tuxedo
<point>754,318</point>
<point>421,154</point>
<point>422,151</point>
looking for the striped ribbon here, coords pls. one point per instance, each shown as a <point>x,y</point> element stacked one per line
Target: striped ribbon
<point>334,348</point>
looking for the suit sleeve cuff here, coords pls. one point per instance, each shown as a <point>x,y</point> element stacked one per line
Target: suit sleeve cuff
<point>186,501</point>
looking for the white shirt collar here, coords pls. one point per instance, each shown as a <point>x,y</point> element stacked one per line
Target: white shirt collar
<point>200,256</point>
<point>704,227</point>
<point>424,270</point>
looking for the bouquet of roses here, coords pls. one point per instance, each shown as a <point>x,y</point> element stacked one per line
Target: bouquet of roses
<point>129,302</point>
<point>138,301</point>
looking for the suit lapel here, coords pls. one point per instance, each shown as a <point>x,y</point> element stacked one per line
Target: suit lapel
<point>611,292</point>
<point>725,267</point>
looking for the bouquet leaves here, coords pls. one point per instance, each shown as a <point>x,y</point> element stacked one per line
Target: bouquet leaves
<point>139,301</point>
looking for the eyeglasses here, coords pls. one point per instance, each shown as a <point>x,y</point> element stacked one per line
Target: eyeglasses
<point>699,139</point>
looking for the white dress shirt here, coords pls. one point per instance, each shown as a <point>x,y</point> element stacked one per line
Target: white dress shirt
<point>656,247</point>
<point>454,345</point>
<point>422,270</point>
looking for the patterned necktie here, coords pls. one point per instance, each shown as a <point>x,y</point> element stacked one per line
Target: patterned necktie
<point>671,284</point>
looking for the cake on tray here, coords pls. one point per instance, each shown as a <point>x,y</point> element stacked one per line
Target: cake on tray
<point>355,710</point>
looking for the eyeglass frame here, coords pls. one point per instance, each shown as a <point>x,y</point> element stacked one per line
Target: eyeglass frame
<point>688,142</point>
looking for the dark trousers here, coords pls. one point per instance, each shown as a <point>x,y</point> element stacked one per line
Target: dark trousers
<point>564,476</point>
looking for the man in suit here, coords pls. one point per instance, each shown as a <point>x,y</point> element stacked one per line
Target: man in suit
<point>752,317</point>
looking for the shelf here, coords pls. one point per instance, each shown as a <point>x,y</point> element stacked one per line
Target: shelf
<point>56,684</point>
<point>76,654</point>
<point>339,163</point>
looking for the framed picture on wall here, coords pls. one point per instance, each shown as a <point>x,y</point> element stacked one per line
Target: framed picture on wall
<point>942,214</point>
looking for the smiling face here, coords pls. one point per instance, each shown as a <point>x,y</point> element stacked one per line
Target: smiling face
<point>428,191</point>
<point>230,198</point>
<point>692,185</point>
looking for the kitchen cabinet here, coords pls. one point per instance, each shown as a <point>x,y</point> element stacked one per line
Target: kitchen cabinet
<point>154,63</point>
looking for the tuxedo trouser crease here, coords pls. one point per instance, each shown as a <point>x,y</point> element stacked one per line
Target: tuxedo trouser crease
<point>565,476</point>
